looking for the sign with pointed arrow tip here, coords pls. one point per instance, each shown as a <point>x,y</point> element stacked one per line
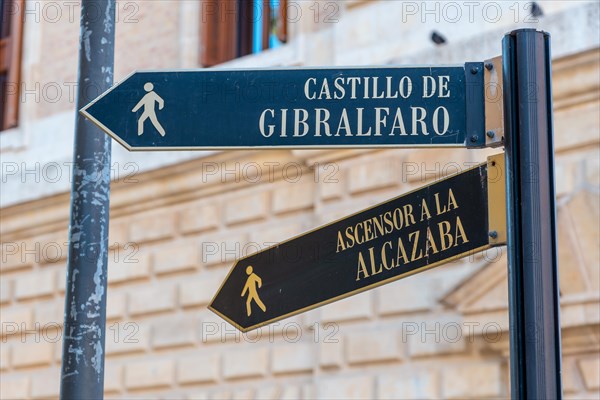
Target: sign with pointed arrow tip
<point>441,222</point>
<point>426,106</point>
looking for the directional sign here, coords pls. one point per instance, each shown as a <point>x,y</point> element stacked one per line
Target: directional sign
<point>444,221</point>
<point>296,108</point>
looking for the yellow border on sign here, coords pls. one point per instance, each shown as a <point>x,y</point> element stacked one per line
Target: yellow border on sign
<point>491,244</point>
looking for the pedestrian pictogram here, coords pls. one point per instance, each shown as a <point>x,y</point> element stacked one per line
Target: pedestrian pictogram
<point>149,103</point>
<point>250,287</point>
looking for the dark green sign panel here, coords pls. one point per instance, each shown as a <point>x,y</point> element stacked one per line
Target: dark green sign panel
<point>422,106</point>
<point>430,226</point>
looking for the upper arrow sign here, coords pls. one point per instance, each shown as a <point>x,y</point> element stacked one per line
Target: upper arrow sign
<point>295,108</point>
<point>430,226</point>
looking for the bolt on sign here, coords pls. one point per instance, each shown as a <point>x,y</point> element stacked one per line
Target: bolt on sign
<point>423,106</point>
<point>441,222</point>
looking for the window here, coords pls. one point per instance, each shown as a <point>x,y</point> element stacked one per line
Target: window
<point>11,36</point>
<point>235,28</point>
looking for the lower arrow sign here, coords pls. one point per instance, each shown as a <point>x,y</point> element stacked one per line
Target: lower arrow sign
<point>433,225</point>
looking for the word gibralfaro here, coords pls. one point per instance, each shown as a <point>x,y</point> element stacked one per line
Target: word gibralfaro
<point>333,119</point>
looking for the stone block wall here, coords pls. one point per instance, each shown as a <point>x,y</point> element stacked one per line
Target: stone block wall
<point>176,229</point>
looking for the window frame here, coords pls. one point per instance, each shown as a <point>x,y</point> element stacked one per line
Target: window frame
<point>230,26</point>
<point>11,51</point>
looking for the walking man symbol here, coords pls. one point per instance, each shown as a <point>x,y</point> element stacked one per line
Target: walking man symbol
<point>149,102</point>
<point>250,287</point>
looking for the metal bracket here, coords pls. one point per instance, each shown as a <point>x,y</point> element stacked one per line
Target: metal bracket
<point>496,176</point>
<point>474,98</point>
<point>494,111</point>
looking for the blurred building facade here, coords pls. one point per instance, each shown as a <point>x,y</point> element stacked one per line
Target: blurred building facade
<point>179,220</point>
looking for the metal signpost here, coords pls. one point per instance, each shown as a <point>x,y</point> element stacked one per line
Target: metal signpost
<point>82,372</point>
<point>502,102</point>
<point>447,220</point>
<point>295,108</point>
<point>532,249</point>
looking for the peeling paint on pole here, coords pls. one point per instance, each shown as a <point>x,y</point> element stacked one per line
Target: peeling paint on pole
<point>82,373</point>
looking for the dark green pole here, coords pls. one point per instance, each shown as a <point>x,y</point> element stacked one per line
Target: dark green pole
<point>533,268</point>
<point>82,372</point>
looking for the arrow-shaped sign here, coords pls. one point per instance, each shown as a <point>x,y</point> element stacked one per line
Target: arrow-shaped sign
<point>295,108</point>
<point>444,221</point>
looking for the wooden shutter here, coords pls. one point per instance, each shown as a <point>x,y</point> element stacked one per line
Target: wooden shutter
<point>266,24</point>
<point>227,28</point>
<point>245,27</point>
<point>218,31</point>
<point>11,40</point>
<point>282,22</point>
